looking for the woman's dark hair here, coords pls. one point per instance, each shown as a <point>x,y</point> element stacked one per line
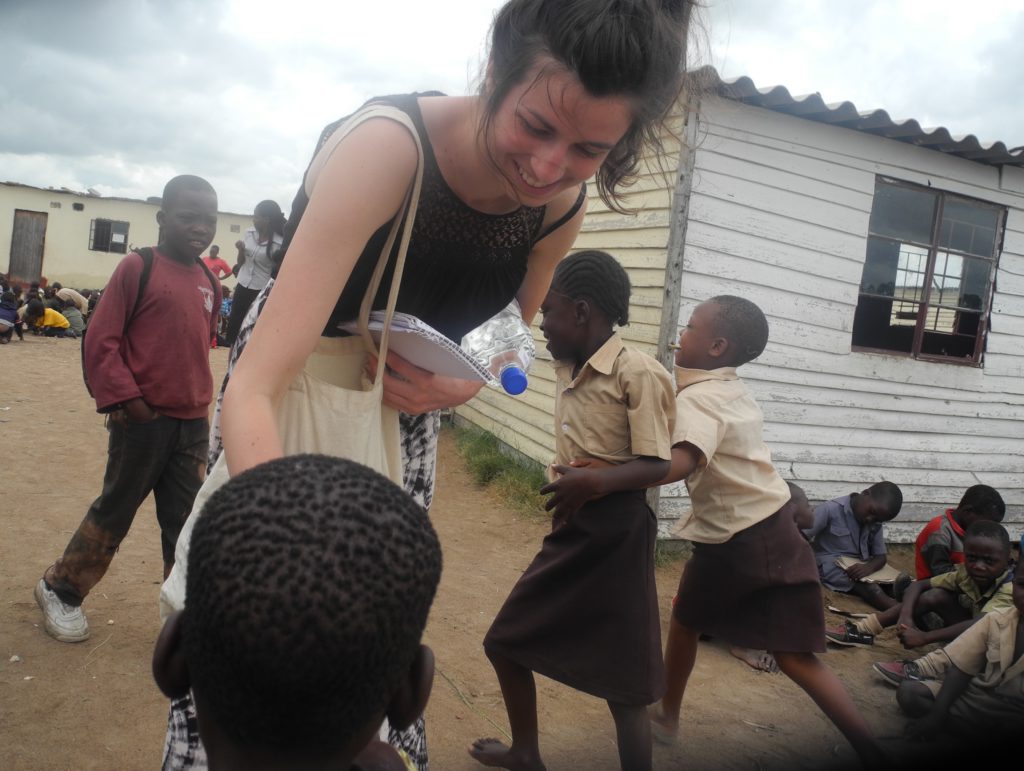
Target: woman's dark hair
<point>34,308</point>
<point>634,49</point>
<point>271,212</point>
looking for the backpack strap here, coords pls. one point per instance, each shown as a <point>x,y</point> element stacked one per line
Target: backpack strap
<point>146,253</point>
<point>209,275</point>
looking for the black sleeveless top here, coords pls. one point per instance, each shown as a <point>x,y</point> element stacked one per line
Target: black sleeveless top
<point>462,267</point>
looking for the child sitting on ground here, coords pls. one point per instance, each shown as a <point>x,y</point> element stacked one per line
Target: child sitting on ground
<point>752,579</point>
<point>46,321</point>
<point>982,693</point>
<point>76,321</point>
<point>959,598</point>
<point>309,583</point>
<point>10,323</point>
<point>939,546</point>
<point>851,527</point>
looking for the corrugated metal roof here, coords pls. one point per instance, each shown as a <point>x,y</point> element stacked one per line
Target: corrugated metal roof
<point>846,114</point>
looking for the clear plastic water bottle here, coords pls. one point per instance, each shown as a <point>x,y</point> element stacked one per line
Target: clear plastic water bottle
<point>504,345</point>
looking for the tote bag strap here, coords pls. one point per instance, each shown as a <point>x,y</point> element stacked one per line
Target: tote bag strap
<point>402,223</point>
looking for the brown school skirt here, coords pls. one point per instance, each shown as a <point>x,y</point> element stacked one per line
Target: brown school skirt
<point>585,612</point>
<point>760,589</point>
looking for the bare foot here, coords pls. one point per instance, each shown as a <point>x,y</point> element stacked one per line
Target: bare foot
<point>762,661</point>
<point>493,752</point>
<point>663,729</point>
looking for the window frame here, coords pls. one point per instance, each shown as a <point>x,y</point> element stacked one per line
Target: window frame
<point>933,249</point>
<point>111,246</point>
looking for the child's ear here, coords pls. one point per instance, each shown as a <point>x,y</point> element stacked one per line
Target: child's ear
<point>719,347</point>
<point>169,667</point>
<point>160,217</point>
<point>410,700</point>
<point>581,312</point>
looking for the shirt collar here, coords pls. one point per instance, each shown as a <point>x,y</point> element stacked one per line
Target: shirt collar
<point>688,377</point>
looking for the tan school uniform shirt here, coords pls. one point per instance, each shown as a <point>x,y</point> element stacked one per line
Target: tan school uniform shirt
<point>736,485</point>
<point>619,407</point>
<point>985,651</point>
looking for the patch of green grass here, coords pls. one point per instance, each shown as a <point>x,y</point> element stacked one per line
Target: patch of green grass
<point>516,481</point>
<point>668,553</point>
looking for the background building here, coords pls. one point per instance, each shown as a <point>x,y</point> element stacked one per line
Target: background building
<point>889,260</point>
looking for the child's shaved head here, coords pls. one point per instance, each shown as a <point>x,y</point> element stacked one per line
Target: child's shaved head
<point>309,582</point>
<point>743,324</point>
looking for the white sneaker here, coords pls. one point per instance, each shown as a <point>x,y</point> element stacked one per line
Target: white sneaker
<point>62,621</point>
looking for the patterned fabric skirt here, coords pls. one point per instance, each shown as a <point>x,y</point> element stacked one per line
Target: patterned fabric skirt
<point>182,746</point>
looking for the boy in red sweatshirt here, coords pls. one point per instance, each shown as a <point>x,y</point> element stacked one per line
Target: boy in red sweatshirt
<point>147,362</point>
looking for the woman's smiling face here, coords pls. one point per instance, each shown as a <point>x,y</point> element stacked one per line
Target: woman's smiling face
<point>550,135</point>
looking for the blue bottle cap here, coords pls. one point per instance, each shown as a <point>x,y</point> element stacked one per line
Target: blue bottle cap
<point>513,380</point>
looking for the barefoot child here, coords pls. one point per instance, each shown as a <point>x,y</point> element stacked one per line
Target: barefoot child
<point>585,612</point>
<point>752,579</point>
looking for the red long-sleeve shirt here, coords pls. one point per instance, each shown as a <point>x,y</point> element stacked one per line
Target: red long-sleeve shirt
<point>162,354</point>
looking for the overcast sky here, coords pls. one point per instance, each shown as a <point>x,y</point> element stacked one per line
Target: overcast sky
<point>120,95</point>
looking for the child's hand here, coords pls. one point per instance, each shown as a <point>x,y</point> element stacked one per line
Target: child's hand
<point>858,571</point>
<point>573,488</point>
<point>910,636</point>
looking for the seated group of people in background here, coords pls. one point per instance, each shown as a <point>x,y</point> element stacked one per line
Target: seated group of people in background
<point>968,592</point>
<point>52,310</point>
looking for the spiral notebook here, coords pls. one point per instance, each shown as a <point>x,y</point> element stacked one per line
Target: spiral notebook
<point>419,343</point>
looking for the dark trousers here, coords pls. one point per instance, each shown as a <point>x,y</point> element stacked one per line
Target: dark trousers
<point>241,299</point>
<point>165,456</point>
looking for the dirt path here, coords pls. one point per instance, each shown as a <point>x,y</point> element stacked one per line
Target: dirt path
<point>94,705</point>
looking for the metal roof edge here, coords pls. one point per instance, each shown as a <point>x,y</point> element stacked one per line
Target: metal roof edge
<point>846,115</point>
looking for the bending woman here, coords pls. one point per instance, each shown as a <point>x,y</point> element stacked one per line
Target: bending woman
<point>573,89</point>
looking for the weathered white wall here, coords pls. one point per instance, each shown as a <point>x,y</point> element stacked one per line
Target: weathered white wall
<point>779,214</point>
<point>67,257</point>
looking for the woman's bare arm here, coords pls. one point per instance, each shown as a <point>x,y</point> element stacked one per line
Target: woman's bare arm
<point>360,188</point>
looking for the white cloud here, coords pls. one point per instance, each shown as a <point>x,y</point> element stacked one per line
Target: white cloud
<point>119,95</point>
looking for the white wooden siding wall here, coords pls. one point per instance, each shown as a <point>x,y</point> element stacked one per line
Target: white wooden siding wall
<point>525,423</point>
<point>779,214</point>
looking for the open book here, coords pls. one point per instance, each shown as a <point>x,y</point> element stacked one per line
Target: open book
<point>887,575</point>
<point>422,345</point>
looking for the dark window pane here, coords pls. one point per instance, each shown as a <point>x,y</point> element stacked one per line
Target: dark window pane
<point>885,324</point>
<point>968,227</point>
<point>902,213</point>
<point>880,267</point>
<point>951,333</point>
<point>974,289</point>
<point>101,236</point>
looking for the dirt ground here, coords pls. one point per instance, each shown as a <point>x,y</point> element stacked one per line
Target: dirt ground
<point>95,706</point>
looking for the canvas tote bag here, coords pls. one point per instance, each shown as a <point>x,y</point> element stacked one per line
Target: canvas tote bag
<point>331,407</point>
